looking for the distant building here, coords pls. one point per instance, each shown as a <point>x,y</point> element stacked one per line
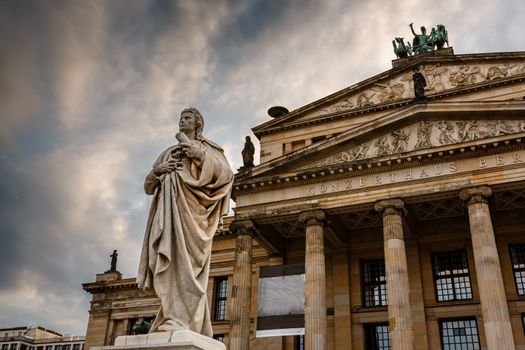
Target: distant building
<point>38,338</point>
<point>406,214</point>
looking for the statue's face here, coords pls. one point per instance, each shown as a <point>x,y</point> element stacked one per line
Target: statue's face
<point>423,30</point>
<point>187,122</point>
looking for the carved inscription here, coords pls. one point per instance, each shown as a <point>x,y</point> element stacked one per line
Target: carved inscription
<point>424,135</point>
<point>383,179</point>
<point>416,173</point>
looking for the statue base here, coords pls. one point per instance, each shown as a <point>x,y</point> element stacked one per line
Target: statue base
<point>179,340</point>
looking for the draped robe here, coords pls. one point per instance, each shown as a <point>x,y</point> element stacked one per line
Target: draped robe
<point>186,208</point>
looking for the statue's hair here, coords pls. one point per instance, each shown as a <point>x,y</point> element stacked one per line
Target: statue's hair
<point>199,120</point>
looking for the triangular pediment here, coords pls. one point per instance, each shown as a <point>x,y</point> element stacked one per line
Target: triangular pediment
<point>449,77</point>
<point>411,131</point>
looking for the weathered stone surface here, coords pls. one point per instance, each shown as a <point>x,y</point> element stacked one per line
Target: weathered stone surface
<point>242,286</point>
<point>399,311</point>
<point>315,326</point>
<point>496,320</point>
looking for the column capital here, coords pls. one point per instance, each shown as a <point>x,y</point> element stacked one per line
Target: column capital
<point>243,227</point>
<point>312,217</point>
<point>474,195</point>
<point>394,206</point>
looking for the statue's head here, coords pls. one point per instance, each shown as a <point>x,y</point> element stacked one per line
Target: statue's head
<point>198,120</point>
<point>440,28</point>
<point>247,138</point>
<point>423,30</point>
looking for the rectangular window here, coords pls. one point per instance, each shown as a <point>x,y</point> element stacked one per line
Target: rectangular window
<point>459,334</point>
<point>517,257</point>
<point>451,276</point>
<point>13,346</point>
<point>49,347</point>
<point>374,283</point>
<point>5,346</point>
<point>299,342</point>
<point>76,346</point>
<point>377,337</point>
<point>221,298</point>
<point>66,347</point>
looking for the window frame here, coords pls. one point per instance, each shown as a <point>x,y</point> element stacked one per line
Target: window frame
<point>298,343</point>
<point>435,277</point>
<point>381,284</point>
<point>511,246</point>
<point>218,299</point>
<point>367,337</point>
<point>468,318</point>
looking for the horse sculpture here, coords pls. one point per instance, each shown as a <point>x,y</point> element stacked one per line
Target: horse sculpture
<point>401,50</point>
<point>439,36</point>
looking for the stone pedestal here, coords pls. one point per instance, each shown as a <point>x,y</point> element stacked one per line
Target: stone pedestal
<point>396,269</point>
<point>179,340</point>
<point>496,320</point>
<point>242,285</point>
<point>315,324</point>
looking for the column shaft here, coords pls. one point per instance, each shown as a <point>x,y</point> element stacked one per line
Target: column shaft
<point>496,320</point>
<point>396,269</point>
<point>241,289</point>
<point>315,282</point>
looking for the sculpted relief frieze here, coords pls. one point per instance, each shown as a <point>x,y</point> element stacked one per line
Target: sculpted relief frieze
<point>423,135</point>
<point>439,78</point>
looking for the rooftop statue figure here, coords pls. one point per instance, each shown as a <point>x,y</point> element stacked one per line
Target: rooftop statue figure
<point>191,184</point>
<point>422,42</point>
<point>247,153</point>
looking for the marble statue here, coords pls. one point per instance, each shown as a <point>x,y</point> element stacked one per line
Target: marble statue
<point>247,153</point>
<point>191,184</point>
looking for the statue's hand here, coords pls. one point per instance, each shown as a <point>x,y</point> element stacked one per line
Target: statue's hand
<point>192,151</point>
<point>164,167</point>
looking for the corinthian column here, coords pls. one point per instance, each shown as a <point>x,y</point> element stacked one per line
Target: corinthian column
<point>315,281</point>
<point>496,320</point>
<point>399,312</point>
<point>242,286</point>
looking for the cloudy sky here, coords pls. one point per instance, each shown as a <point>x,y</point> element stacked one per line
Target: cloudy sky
<point>90,92</point>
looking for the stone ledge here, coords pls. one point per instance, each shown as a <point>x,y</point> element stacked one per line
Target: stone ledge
<point>179,340</point>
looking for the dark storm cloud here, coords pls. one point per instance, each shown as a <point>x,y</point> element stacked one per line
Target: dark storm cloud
<point>90,92</point>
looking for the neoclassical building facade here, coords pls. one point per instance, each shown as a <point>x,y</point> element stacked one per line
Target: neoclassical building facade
<point>407,214</point>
